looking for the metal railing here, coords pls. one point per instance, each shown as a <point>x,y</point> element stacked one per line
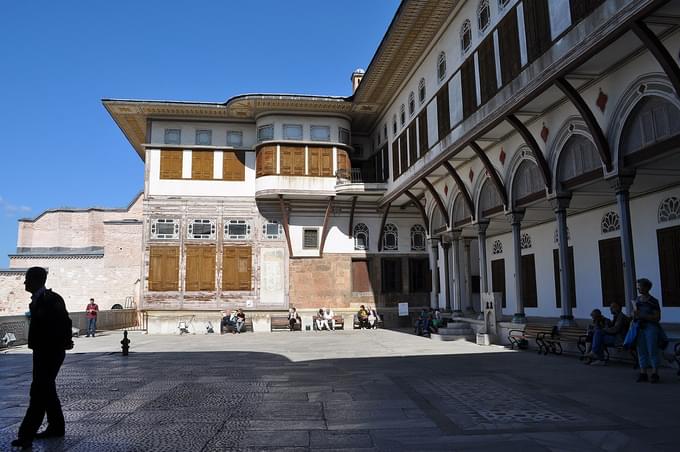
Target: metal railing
<point>356,176</point>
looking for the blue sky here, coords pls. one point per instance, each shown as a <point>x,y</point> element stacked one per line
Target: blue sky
<point>58,60</point>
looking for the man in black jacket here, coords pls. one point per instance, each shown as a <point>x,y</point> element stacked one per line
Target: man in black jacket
<point>49,335</point>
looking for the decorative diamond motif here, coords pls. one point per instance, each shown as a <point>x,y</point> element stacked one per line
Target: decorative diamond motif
<point>669,209</point>
<point>497,247</point>
<point>610,222</point>
<point>525,241</point>
<point>544,133</point>
<point>471,174</point>
<point>502,156</point>
<point>601,101</point>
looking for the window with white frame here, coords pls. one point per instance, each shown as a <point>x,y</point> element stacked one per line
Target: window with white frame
<point>418,238</point>
<point>394,124</point>
<point>272,230</point>
<point>421,91</point>
<point>503,3</point>
<point>390,237</point>
<point>172,136</point>
<point>204,137</point>
<point>361,236</point>
<point>466,36</point>
<point>411,104</point>
<point>292,132</point>
<point>441,66</point>
<point>320,133</point>
<point>265,133</point>
<point>201,229</point>
<point>236,229</point>
<point>234,138</point>
<point>402,115</point>
<point>310,238</point>
<point>165,228</point>
<point>343,135</point>
<point>483,15</point>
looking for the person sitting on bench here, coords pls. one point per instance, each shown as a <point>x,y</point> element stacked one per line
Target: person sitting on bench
<point>362,316</point>
<point>329,318</point>
<point>240,320</point>
<point>228,322</point>
<point>293,319</point>
<point>608,333</point>
<point>321,321</point>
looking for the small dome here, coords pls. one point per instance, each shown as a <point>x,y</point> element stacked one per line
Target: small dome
<point>358,71</point>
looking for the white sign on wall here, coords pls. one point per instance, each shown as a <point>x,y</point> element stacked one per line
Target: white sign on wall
<point>403,309</point>
<point>272,290</point>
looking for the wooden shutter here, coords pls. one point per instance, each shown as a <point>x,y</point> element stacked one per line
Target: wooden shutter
<point>443,114</point>
<point>163,268</point>
<point>669,265</point>
<point>412,144</point>
<point>286,160</point>
<point>265,161</point>
<point>237,268</point>
<point>403,152</point>
<point>202,165</point>
<point>468,86</point>
<point>508,47</point>
<point>327,162</point>
<point>361,280</point>
<point>385,164</point>
<point>536,27</point>
<point>299,162</point>
<point>487,69</point>
<point>395,159</point>
<point>233,167</point>
<point>572,282</point>
<point>171,164</point>
<point>422,133</point>
<point>580,9</point>
<point>200,268</point>
<point>529,281</point>
<point>611,271</point>
<point>391,275</point>
<point>343,161</point>
<point>498,278</point>
<point>420,278</point>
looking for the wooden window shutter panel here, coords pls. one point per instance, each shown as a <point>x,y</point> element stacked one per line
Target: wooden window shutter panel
<point>327,162</point>
<point>171,164</point>
<point>343,160</point>
<point>202,165</point>
<point>422,132</point>
<point>207,268</point>
<point>395,159</point>
<point>314,161</point>
<point>386,163</point>
<point>469,87</point>
<point>537,27</point>
<point>487,69</point>
<point>299,162</point>
<point>412,143</point>
<point>155,269</point>
<point>229,269</point>
<point>192,280</point>
<point>244,268</point>
<point>234,166</point>
<point>286,161</point>
<point>443,116</point>
<point>508,47</point>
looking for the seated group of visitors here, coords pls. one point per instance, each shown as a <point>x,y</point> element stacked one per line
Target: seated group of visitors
<point>294,320</point>
<point>429,320</point>
<point>643,332</point>
<point>368,318</point>
<point>325,319</point>
<point>233,321</point>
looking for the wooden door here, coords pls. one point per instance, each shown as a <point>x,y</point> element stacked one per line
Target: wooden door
<point>611,272</point>
<point>498,278</point>
<point>572,282</point>
<point>529,292</point>
<point>668,241</point>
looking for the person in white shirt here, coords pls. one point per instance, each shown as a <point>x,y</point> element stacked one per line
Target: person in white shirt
<point>373,318</point>
<point>329,317</point>
<point>321,320</point>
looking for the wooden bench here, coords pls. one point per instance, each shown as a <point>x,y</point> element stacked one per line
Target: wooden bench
<point>247,326</point>
<point>280,323</point>
<point>378,322</point>
<point>548,338</point>
<point>339,322</point>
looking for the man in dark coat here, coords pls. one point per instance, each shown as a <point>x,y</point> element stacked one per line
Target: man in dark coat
<point>49,335</point>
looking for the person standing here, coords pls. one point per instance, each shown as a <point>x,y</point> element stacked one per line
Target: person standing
<point>647,313</point>
<point>49,336</point>
<point>91,313</point>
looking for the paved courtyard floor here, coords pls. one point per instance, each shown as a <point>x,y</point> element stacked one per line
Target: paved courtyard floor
<point>345,390</point>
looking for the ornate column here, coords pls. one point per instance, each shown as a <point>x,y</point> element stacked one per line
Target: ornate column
<point>446,245</point>
<point>481,227</point>
<point>457,274</point>
<point>468,275</point>
<point>559,204</point>
<point>515,217</point>
<point>621,185</point>
<point>434,254</point>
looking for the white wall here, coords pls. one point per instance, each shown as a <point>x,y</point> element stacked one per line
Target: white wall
<point>306,121</point>
<point>219,132</point>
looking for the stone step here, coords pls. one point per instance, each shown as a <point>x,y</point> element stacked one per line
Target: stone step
<point>452,337</point>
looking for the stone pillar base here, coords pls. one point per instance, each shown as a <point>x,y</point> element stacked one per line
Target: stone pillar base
<point>519,317</point>
<point>566,320</point>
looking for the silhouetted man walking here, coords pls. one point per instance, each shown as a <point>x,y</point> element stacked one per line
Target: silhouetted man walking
<point>49,335</point>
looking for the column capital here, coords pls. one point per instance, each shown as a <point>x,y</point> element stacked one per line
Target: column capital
<point>560,201</point>
<point>622,181</point>
<point>481,226</point>
<point>515,216</point>
<point>467,241</point>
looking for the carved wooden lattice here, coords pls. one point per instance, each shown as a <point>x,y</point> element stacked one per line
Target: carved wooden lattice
<point>669,209</point>
<point>610,222</point>
<point>525,241</point>
<point>497,247</point>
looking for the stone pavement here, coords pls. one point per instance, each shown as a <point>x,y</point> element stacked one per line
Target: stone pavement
<point>345,390</point>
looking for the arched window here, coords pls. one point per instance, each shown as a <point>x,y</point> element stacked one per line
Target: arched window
<point>654,119</point>
<point>527,181</point>
<point>361,237</point>
<point>461,211</point>
<point>489,199</point>
<point>394,124</point>
<point>610,222</point>
<point>578,157</point>
<point>466,36</point>
<point>417,238</point>
<point>411,104</point>
<point>390,237</point>
<point>441,66</point>
<point>421,91</point>
<point>483,15</point>
<point>669,209</point>
<point>402,115</point>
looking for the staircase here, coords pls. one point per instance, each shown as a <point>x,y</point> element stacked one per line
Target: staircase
<point>455,331</point>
